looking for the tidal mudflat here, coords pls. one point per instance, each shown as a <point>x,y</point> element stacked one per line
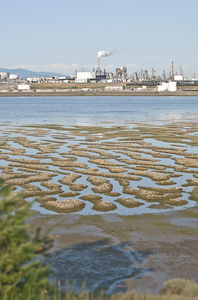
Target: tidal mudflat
<point>122,169</point>
<point>126,197</point>
<point>116,253</point>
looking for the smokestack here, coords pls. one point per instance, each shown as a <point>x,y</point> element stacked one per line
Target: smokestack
<point>181,71</point>
<point>98,62</point>
<point>172,70</point>
<point>104,53</point>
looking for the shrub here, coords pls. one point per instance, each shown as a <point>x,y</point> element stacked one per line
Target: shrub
<point>179,286</point>
<point>23,274</point>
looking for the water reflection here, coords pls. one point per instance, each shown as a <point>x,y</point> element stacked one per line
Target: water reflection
<point>94,110</point>
<point>102,265</point>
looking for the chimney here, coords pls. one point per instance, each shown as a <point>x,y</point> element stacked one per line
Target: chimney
<point>98,62</point>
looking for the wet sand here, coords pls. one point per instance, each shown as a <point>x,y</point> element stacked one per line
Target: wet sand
<point>162,246</point>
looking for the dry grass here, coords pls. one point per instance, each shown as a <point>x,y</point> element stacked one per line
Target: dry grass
<point>71,85</point>
<point>173,289</point>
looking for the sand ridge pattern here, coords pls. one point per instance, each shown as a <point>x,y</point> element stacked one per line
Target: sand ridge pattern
<point>128,170</point>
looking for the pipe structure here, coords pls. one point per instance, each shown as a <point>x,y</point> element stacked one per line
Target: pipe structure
<point>172,70</point>
<point>98,62</point>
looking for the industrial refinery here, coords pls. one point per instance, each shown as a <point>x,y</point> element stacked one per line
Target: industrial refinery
<point>138,81</point>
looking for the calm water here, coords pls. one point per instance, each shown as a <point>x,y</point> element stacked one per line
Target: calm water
<point>94,110</point>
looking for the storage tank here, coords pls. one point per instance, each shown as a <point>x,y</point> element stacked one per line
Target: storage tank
<point>172,86</point>
<point>163,87</point>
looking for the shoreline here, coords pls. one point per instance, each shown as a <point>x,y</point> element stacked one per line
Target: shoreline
<point>80,93</point>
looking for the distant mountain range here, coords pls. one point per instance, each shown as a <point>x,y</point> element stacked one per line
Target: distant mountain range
<point>27,73</point>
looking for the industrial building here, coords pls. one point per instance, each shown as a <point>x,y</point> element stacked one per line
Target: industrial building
<point>114,88</point>
<point>33,80</point>
<point>23,87</point>
<point>178,78</point>
<point>4,75</point>
<point>100,75</point>
<point>121,73</point>
<point>84,77</point>
<point>167,86</point>
<point>13,76</point>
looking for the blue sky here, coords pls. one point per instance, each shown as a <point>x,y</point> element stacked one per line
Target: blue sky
<point>65,35</point>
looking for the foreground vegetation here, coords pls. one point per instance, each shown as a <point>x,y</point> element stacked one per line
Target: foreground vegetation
<point>23,274</point>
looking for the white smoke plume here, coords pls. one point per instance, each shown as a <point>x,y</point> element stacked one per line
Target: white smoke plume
<point>106,53</point>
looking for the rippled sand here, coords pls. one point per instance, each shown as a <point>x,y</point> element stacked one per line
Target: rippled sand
<point>121,169</point>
